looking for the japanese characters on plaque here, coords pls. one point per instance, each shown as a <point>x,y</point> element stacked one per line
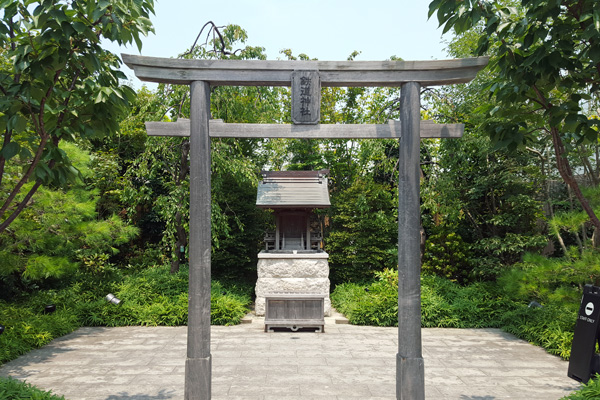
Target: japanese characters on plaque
<point>306,97</point>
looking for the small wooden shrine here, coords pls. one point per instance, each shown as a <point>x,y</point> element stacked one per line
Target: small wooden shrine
<point>293,261</point>
<point>293,195</point>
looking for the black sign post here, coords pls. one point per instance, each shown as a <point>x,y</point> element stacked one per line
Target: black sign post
<point>584,361</point>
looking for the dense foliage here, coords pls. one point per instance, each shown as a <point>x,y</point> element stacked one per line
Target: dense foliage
<point>544,59</point>
<point>363,233</point>
<point>59,233</point>
<point>501,227</point>
<point>155,192</point>
<point>481,210</point>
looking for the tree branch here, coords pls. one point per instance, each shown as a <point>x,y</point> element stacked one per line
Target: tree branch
<point>214,29</point>
<point>566,173</point>
<point>38,155</point>
<point>588,166</point>
<point>21,206</point>
<point>26,176</point>
<point>68,99</point>
<point>7,137</point>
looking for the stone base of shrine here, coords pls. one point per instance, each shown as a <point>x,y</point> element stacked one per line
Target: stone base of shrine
<point>292,273</point>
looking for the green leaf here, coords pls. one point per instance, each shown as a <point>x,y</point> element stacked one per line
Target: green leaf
<point>80,27</point>
<point>38,10</point>
<point>591,135</point>
<point>15,122</point>
<point>21,124</point>
<point>10,150</point>
<point>571,121</point>
<point>432,7</point>
<point>138,42</point>
<point>25,154</point>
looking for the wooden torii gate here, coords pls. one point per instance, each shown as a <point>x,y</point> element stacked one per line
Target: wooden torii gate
<point>306,79</point>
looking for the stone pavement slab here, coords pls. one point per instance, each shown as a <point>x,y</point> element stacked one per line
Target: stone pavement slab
<point>345,362</point>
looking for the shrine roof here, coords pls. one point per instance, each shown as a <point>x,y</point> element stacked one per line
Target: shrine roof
<point>293,189</point>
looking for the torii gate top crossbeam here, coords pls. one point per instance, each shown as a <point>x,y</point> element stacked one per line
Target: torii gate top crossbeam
<point>278,72</point>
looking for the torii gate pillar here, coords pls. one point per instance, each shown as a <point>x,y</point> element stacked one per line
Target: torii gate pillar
<point>410,370</point>
<point>199,360</point>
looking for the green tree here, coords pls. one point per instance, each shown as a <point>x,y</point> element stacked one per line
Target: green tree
<point>363,234</point>
<point>58,84</point>
<point>157,189</point>
<point>546,62</point>
<point>481,205</point>
<point>59,233</point>
<point>481,209</point>
<point>112,156</point>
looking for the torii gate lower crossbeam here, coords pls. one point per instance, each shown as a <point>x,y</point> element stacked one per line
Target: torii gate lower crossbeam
<point>410,382</point>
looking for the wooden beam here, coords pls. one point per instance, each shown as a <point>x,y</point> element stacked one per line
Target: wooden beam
<point>279,72</point>
<point>219,129</point>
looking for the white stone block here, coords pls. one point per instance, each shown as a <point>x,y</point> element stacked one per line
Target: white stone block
<point>293,268</point>
<point>266,286</point>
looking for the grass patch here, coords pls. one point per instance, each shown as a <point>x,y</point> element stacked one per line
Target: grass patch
<point>12,389</point>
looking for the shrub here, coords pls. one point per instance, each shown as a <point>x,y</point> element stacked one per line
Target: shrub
<point>12,389</point>
<point>589,391</point>
<point>447,304</point>
<point>443,303</point>
<point>149,297</point>
<point>446,255</point>
<point>550,327</point>
<point>552,279</point>
<point>155,297</point>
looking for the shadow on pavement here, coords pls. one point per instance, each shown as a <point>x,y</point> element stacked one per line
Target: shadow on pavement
<point>126,396</point>
<point>17,368</point>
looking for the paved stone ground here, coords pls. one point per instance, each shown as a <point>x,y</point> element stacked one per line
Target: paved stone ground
<point>345,362</point>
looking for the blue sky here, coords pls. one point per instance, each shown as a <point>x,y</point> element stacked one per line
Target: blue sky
<point>323,29</point>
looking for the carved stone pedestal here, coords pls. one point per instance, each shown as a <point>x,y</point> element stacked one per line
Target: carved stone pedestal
<point>293,272</point>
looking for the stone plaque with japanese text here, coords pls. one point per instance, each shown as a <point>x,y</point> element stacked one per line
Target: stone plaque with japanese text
<point>306,97</point>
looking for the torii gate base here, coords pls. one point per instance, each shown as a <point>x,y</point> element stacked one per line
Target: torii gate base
<point>201,74</point>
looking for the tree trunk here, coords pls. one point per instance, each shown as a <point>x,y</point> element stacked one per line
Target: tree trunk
<point>181,236</point>
<point>589,170</point>
<point>596,238</point>
<point>566,173</point>
<point>549,211</point>
<point>578,239</point>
